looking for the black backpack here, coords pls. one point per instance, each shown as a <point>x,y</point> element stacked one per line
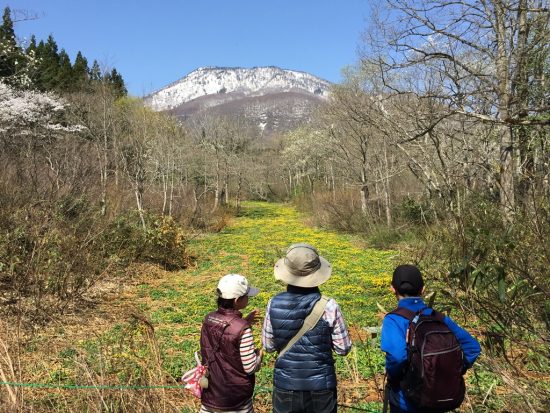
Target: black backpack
<point>433,379</point>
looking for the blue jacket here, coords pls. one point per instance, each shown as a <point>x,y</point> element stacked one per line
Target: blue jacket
<point>394,329</point>
<point>308,365</point>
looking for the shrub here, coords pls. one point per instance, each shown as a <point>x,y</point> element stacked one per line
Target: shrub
<point>415,211</point>
<point>497,273</point>
<point>46,258</point>
<point>162,241</point>
<point>383,237</point>
<point>51,254</point>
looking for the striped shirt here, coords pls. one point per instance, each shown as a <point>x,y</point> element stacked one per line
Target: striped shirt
<point>249,357</point>
<point>341,341</point>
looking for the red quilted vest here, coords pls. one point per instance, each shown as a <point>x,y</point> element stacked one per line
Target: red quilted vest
<point>229,387</point>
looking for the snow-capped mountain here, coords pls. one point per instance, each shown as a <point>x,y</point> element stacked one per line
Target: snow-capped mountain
<point>257,81</point>
<point>274,99</point>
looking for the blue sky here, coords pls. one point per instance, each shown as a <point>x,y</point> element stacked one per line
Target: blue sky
<point>153,43</point>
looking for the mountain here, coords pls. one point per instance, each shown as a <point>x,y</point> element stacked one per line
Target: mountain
<point>277,100</point>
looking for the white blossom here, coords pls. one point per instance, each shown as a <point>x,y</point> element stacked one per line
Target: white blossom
<point>24,110</point>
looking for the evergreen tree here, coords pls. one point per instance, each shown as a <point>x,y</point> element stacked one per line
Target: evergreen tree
<point>46,68</point>
<point>95,72</point>
<point>49,64</point>
<point>80,71</point>
<point>117,83</point>
<point>10,54</point>
<point>64,76</point>
<point>16,66</point>
<point>31,54</point>
<point>31,48</point>
<point>7,34</point>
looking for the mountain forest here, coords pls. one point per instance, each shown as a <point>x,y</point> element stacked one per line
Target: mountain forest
<point>116,220</point>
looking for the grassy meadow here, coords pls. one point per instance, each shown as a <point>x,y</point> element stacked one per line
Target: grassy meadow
<point>147,330</point>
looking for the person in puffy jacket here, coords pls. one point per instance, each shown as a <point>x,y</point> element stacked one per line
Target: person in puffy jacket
<point>227,349</point>
<point>304,377</point>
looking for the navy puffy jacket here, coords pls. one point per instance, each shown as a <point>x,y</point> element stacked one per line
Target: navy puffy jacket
<point>308,365</point>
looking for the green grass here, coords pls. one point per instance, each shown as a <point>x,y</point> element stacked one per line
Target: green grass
<point>250,245</point>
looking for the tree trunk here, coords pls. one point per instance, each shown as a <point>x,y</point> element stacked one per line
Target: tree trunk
<point>164,193</point>
<point>377,197</point>
<point>311,182</point>
<point>105,156</point>
<point>507,164</point>
<point>103,185</point>
<point>239,188</point>
<point>364,193</point>
<point>139,201</point>
<point>333,182</point>
<point>195,201</point>
<point>217,187</point>
<point>226,193</point>
<point>507,172</point>
<point>521,88</point>
<point>386,186</point>
<point>170,203</point>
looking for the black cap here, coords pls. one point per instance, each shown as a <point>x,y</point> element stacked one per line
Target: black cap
<point>407,280</point>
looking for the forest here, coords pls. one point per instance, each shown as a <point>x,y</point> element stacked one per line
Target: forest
<point>436,146</point>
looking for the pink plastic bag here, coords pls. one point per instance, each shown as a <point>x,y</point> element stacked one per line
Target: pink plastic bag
<point>192,378</point>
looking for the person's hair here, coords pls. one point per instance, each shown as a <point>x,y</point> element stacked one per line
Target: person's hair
<point>226,302</point>
<point>407,294</point>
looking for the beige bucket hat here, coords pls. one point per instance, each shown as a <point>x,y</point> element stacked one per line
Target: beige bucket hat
<point>302,267</point>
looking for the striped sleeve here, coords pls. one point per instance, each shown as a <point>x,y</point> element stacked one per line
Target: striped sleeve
<point>341,341</point>
<point>249,356</point>
<point>268,340</point>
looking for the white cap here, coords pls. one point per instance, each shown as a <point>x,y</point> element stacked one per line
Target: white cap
<point>235,286</point>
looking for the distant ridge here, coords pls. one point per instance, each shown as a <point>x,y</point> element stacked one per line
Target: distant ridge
<point>273,98</point>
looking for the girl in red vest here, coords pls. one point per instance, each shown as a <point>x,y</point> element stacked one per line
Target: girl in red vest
<point>227,349</point>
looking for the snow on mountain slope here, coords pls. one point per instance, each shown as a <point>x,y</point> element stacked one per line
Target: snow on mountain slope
<point>258,81</point>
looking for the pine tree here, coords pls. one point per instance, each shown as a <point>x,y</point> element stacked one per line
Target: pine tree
<point>49,64</point>
<point>117,83</point>
<point>80,72</point>
<point>33,61</point>
<point>64,76</point>
<point>10,54</point>
<point>95,72</point>
<point>7,34</point>
<point>31,48</point>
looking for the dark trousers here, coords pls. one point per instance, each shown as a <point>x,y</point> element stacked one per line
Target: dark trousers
<point>287,401</point>
<point>387,405</point>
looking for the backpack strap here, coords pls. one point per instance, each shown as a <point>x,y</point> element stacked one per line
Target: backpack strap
<point>310,321</point>
<point>438,316</point>
<point>409,314</point>
<point>404,312</point>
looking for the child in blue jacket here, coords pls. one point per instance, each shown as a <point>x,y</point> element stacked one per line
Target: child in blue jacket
<point>408,287</point>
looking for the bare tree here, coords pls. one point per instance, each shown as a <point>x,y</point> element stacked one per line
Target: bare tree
<point>364,138</point>
<point>479,51</point>
<point>222,140</point>
<point>96,112</point>
<point>135,150</point>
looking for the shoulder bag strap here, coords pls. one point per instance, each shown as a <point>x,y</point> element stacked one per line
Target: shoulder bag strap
<point>310,321</point>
